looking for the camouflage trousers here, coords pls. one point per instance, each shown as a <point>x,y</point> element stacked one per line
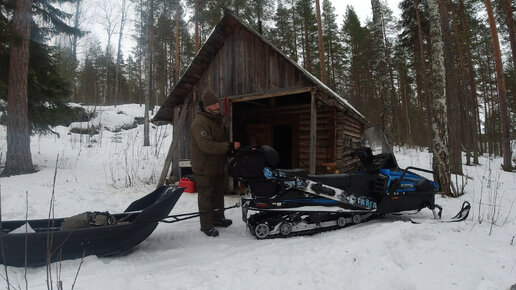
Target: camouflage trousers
<point>210,196</point>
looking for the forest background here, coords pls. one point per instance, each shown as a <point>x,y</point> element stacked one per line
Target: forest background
<point>385,66</point>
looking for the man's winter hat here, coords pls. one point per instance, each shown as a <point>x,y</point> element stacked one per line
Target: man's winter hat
<point>209,98</point>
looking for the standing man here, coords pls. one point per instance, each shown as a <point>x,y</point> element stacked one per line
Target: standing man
<point>209,146</point>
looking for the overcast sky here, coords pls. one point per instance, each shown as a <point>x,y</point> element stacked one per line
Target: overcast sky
<point>93,13</point>
<point>362,8</point>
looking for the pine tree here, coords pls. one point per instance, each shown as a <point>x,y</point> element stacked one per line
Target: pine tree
<point>35,78</point>
<point>380,69</point>
<point>452,90</point>
<point>335,54</point>
<point>322,63</point>
<point>354,39</point>
<point>257,13</point>
<point>282,35</point>
<point>18,158</point>
<point>504,119</point>
<point>307,19</point>
<point>511,29</point>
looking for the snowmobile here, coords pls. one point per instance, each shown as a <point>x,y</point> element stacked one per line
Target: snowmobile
<point>287,202</point>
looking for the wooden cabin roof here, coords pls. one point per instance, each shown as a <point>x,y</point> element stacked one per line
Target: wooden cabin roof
<point>201,62</point>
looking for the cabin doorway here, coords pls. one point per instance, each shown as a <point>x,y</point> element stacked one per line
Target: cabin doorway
<point>282,142</point>
<point>278,136</point>
<point>276,122</point>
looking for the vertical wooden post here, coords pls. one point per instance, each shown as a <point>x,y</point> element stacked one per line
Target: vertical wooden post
<point>174,152</point>
<point>313,131</point>
<point>231,187</point>
<point>231,122</point>
<point>166,166</point>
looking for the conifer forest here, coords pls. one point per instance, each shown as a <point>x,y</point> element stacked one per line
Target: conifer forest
<point>441,74</point>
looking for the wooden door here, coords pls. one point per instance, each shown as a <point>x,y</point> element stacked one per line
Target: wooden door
<point>259,134</point>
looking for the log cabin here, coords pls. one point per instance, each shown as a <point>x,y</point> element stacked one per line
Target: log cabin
<point>273,101</point>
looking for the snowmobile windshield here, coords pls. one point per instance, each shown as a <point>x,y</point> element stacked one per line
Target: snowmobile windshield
<point>375,139</point>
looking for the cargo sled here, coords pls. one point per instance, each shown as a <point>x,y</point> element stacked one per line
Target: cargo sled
<point>45,241</point>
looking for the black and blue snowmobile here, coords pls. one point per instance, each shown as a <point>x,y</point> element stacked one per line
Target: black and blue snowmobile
<point>287,202</point>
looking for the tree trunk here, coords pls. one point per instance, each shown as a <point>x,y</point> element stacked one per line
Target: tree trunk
<point>440,146</point>
<point>392,89</point>
<point>140,55</point>
<point>472,102</point>
<point>18,157</point>
<point>178,60</point>
<point>148,95</point>
<point>119,50</point>
<point>150,55</point>
<point>307,59</point>
<point>500,79</point>
<point>294,30</point>
<point>511,28</point>
<point>75,37</point>
<point>426,86</point>
<point>380,68</point>
<point>451,90</point>
<point>321,43</point>
<point>465,126</point>
<point>197,41</point>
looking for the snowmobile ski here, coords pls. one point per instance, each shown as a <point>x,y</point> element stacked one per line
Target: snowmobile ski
<point>459,217</point>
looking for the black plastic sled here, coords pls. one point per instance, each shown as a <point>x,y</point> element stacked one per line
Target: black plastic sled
<point>288,202</point>
<point>50,243</point>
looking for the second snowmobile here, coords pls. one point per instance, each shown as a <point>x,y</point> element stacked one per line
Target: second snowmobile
<point>286,202</point>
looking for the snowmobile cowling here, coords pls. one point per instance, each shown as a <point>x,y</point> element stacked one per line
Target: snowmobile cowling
<point>47,242</point>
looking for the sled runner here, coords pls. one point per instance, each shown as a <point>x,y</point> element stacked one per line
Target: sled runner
<point>44,241</point>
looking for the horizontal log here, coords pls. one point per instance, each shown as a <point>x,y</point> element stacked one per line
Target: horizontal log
<point>269,94</point>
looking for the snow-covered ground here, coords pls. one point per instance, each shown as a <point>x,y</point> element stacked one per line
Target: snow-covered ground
<point>110,170</point>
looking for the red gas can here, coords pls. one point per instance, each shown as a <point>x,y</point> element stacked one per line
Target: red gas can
<point>187,184</point>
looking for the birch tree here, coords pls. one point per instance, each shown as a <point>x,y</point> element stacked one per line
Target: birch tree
<point>150,23</point>
<point>108,18</point>
<point>452,90</point>
<point>197,37</point>
<point>440,146</point>
<point>123,18</point>
<point>75,38</point>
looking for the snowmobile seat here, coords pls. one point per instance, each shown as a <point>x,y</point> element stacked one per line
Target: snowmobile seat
<point>353,183</point>
<point>299,172</point>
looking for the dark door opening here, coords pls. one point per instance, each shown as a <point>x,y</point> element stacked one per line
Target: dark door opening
<point>282,136</point>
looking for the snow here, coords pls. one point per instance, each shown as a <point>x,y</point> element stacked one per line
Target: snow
<point>109,170</point>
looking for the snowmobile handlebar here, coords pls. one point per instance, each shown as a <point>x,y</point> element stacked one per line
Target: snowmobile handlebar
<point>363,153</point>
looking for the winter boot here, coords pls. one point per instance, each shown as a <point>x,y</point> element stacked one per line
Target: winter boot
<point>211,232</point>
<point>223,223</point>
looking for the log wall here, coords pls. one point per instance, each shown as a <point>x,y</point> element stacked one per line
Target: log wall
<point>245,65</point>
